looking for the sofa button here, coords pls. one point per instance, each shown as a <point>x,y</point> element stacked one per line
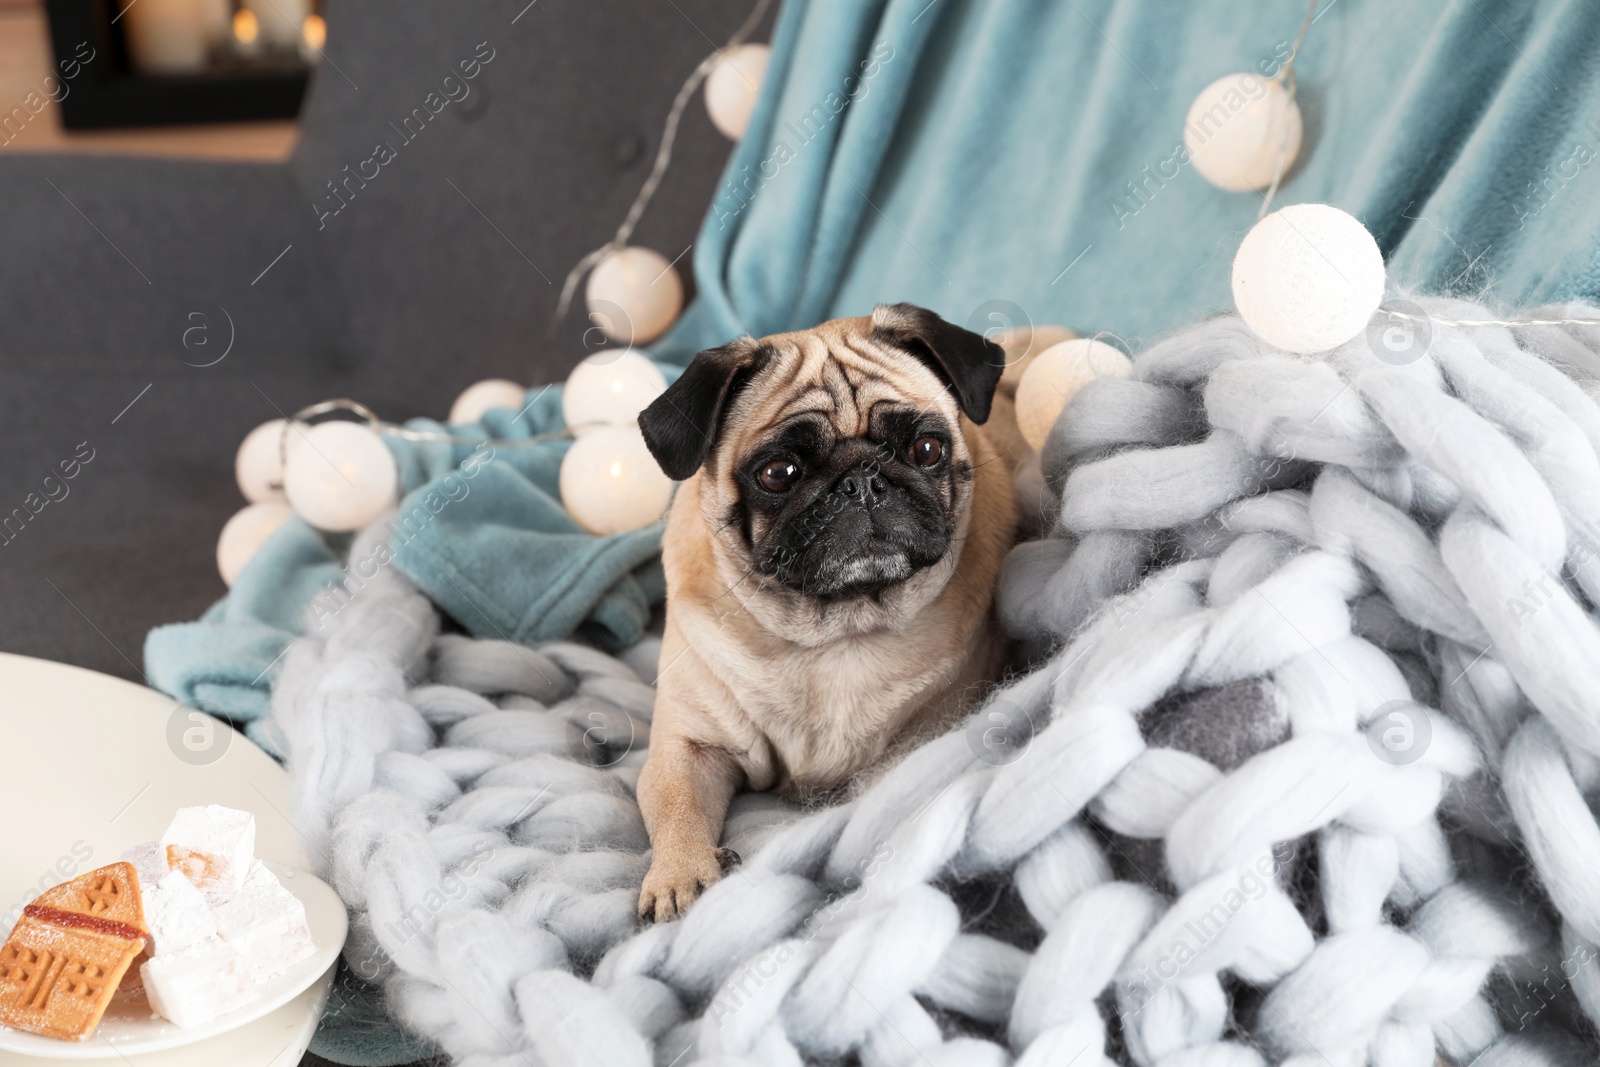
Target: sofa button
<point>476,103</point>
<point>626,149</point>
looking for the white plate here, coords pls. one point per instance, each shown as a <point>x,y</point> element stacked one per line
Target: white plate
<point>285,1032</point>
<point>129,1027</point>
<point>95,765</point>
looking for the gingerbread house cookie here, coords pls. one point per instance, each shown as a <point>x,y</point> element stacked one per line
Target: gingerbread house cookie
<point>64,958</point>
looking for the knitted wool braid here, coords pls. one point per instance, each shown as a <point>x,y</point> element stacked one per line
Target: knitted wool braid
<point>1182,840</point>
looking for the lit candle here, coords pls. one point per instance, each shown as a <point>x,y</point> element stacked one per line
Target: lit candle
<point>280,20</point>
<point>174,36</point>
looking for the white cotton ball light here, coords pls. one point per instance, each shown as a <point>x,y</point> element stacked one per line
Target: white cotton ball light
<point>733,86</point>
<point>341,477</point>
<point>1022,344</point>
<point>1308,278</point>
<point>258,465</point>
<point>610,388</point>
<point>610,483</point>
<point>245,533</point>
<point>1055,375</point>
<point>634,294</point>
<point>485,396</point>
<point>1241,130</point>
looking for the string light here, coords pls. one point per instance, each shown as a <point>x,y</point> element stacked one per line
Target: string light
<point>732,87</point>
<point>1258,135</point>
<point>610,483</point>
<point>1284,295</point>
<point>633,294</point>
<point>245,533</point>
<point>658,169</point>
<point>1055,375</point>
<point>346,487</point>
<point>610,387</point>
<point>258,465</point>
<point>1308,278</point>
<point>1253,141</point>
<point>341,477</point>
<point>481,397</point>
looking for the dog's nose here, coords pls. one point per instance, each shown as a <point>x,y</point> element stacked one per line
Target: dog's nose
<point>863,487</point>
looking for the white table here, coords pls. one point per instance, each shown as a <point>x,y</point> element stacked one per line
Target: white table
<point>92,765</point>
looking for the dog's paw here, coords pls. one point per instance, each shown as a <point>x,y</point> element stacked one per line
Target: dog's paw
<point>677,877</point>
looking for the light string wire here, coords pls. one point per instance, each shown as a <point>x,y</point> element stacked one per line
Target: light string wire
<point>297,422</point>
<point>1291,86</point>
<point>1396,313</point>
<point>658,170</point>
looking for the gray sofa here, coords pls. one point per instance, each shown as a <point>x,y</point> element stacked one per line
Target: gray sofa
<point>440,268</point>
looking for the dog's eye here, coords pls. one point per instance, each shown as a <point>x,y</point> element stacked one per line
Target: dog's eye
<point>778,476</point>
<point>926,451</point>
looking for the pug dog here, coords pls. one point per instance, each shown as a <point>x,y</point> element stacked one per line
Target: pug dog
<point>831,557</point>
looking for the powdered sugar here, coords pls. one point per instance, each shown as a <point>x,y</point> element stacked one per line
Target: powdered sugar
<point>198,983</point>
<point>177,914</point>
<point>265,923</point>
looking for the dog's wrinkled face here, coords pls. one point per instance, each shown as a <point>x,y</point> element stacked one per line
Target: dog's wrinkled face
<point>849,502</point>
<point>833,463</point>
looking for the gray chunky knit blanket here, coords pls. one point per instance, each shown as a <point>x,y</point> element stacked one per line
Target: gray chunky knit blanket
<point>1304,772</point>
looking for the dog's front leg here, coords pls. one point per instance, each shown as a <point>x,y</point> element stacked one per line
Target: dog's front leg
<point>684,789</point>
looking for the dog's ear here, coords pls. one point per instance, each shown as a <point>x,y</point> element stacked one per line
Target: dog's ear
<point>682,424</point>
<point>970,365</point>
